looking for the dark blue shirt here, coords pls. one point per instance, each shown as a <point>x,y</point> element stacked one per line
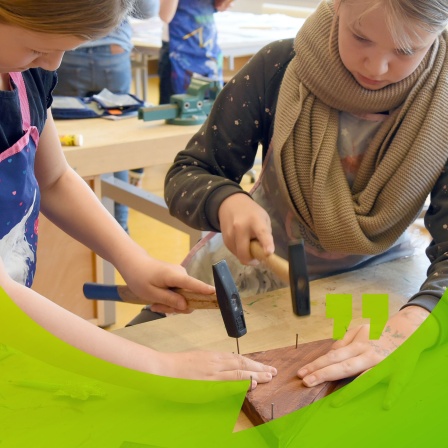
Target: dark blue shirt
<point>39,85</point>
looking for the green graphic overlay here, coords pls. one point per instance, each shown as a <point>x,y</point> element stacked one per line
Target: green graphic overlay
<point>339,308</point>
<point>376,308</point>
<point>52,395</point>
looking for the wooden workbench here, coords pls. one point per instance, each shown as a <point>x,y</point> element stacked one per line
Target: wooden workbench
<point>124,144</point>
<point>64,264</point>
<point>269,318</point>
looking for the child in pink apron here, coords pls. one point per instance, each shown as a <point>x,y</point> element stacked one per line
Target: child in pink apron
<point>34,176</point>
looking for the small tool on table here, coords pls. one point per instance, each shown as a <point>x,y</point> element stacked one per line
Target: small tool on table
<point>227,298</point>
<point>190,108</point>
<point>293,271</point>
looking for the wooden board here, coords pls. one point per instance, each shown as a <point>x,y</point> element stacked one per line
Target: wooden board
<point>286,392</point>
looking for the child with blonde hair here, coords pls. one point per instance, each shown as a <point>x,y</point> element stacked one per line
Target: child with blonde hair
<point>351,116</point>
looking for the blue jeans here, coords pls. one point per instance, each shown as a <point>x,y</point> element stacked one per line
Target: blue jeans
<point>121,212</point>
<point>87,71</point>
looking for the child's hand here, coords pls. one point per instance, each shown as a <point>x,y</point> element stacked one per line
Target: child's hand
<point>355,354</point>
<point>242,220</point>
<point>397,378</point>
<point>152,281</point>
<point>222,5</point>
<point>215,366</point>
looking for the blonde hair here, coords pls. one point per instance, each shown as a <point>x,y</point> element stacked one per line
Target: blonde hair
<point>86,19</point>
<point>404,17</point>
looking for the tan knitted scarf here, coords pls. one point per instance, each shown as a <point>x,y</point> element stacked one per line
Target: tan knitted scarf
<point>400,165</point>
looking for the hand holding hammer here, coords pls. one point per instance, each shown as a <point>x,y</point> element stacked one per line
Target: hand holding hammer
<point>226,299</point>
<point>293,271</point>
<point>122,293</point>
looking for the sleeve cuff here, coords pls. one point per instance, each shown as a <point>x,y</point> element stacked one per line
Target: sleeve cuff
<point>215,200</point>
<point>438,307</point>
<point>426,301</point>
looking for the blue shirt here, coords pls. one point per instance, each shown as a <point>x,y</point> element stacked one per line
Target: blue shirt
<point>193,41</point>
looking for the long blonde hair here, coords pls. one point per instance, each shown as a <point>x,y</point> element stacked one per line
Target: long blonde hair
<point>86,19</point>
<point>404,17</point>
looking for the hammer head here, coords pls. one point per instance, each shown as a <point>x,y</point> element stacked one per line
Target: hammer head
<point>229,300</point>
<point>298,278</point>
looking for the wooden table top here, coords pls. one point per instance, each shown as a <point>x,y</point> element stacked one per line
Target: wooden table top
<point>124,144</point>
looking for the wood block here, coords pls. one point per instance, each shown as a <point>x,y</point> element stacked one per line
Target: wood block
<point>286,391</point>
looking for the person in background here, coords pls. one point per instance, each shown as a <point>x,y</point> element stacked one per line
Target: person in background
<point>352,119</point>
<point>37,178</point>
<point>106,63</point>
<point>189,44</point>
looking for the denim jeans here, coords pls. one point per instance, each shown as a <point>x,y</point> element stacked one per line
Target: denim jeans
<point>121,212</point>
<point>87,71</point>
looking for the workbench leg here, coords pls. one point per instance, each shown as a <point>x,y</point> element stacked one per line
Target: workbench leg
<point>105,272</point>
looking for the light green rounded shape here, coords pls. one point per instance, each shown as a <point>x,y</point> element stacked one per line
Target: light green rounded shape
<point>53,395</point>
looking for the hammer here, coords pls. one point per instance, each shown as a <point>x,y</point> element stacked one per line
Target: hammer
<point>293,272</point>
<point>227,298</point>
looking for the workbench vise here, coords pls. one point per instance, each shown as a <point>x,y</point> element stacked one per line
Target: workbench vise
<point>185,109</point>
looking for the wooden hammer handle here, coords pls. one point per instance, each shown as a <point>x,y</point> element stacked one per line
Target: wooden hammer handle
<point>199,301</point>
<point>195,300</point>
<point>123,293</point>
<point>279,266</point>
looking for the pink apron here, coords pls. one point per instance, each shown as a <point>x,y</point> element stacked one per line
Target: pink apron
<point>20,197</point>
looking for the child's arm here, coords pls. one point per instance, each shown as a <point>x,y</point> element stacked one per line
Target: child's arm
<point>168,9</point>
<point>210,169</point>
<point>71,205</point>
<point>105,345</point>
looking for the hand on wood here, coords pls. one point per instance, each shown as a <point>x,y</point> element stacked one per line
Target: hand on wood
<point>215,366</point>
<point>355,354</point>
